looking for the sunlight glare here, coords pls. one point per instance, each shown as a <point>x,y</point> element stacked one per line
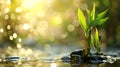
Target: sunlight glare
<point>28,3</point>
<point>57,19</point>
<point>18,9</point>
<point>8,2</point>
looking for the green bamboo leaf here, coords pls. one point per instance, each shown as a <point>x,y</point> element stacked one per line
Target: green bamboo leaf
<point>92,40</point>
<point>99,19</point>
<point>89,15</point>
<point>93,23</point>
<point>97,40</point>
<point>82,20</point>
<point>102,21</point>
<point>97,37</point>
<point>101,15</point>
<point>93,12</point>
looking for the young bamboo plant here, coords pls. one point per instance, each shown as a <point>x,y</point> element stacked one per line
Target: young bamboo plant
<point>89,25</point>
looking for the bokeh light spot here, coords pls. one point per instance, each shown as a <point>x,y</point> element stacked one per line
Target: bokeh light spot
<point>57,20</point>
<point>11,37</point>
<point>7,10</point>
<point>71,28</point>
<point>8,2</point>
<point>64,35</point>
<point>20,40</point>
<point>19,46</point>
<point>25,26</point>
<point>13,16</point>
<point>29,51</point>
<point>28,4</point>
<point>8,27</point>
<point>18,10</point>
<point>6,17</point>
<point>1,30</point>
<point>14,35</point>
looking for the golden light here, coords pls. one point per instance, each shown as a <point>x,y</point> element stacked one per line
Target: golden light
<point>18,9</point>
<point>25,26</point>
<point>41,14</point>
<point>14,35</point>
<point>8,2</point>
<point>28,3</point>
<point>42,28</point>
<point>43,25</point>
<point>0,13</point>
<point>7,10</point>
<point>57,19</point>
<point>53,65</point>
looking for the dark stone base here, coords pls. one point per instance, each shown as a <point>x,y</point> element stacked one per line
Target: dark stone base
<point>97,58</point>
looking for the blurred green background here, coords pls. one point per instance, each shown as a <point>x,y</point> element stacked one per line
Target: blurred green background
<point>36,23</point>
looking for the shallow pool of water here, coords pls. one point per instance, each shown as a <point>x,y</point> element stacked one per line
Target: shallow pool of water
<point>58,64</point>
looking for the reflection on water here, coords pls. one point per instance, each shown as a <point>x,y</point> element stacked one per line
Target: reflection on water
<point>53,65</point>
<point>59,64</point>
<point>50,57</point>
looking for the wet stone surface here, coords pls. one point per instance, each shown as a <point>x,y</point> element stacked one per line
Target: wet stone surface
<point>55,58</point>
<point>76,56</point>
